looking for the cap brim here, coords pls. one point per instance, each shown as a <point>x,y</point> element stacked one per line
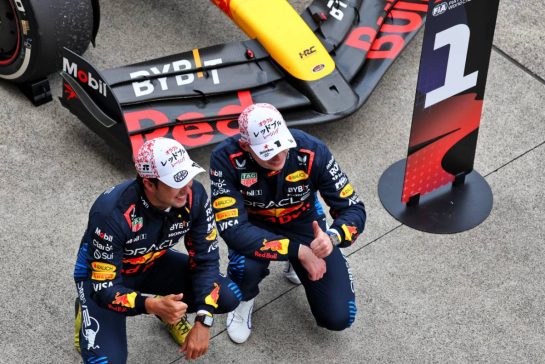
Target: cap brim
<point>181,178</point>
<point>267,151</point>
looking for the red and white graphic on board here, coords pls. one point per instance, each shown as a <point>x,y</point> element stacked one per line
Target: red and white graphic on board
<point>450,92</point>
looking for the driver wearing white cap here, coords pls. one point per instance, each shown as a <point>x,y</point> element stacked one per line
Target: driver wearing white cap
<point>264,195</point>
<point>125,264</point>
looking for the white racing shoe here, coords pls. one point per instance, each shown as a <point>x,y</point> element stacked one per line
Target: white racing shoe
<point>290,274</point>
<point>239,322</point>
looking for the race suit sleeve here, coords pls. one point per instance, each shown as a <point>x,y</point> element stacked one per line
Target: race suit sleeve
<point>202,246</point>
<point>105,254</point>
<point>232,219</point>
<point>346,208</point>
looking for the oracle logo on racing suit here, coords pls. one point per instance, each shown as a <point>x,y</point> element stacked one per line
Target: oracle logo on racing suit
<point>282,203</point>
<point>84,77</point>
<point>146,87</point>
<point>144,250</point>
<point>280,215</point>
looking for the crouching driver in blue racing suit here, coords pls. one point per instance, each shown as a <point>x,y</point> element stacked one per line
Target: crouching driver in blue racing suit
<point>125,253</point>
<point>264,195</point>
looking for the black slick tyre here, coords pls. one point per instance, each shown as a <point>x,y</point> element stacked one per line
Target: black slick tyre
<point>33,33</point>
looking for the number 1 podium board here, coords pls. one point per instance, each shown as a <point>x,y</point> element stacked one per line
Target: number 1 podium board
<point>436,189</point>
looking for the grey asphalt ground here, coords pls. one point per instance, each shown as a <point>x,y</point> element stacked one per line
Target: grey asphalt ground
<point>477,296</point>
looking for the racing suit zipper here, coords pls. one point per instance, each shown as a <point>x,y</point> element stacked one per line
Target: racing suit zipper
<point>164,229</point>
<point>279,193</point>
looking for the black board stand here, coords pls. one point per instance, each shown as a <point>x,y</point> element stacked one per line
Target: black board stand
<point>453,208</point>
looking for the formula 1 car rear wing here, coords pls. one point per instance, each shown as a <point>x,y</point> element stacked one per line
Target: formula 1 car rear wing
<point>321,66</point>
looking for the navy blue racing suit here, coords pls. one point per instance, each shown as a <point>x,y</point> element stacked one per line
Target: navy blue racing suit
<point>125,252</point>
<point>265,215</point>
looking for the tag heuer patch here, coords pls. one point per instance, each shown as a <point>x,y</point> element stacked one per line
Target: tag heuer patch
<point>248,179</point>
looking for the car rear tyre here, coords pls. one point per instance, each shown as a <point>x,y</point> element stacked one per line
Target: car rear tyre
<point>33,33</point>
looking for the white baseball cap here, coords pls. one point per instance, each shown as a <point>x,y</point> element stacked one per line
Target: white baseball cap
<point>264,128</point>
<point>167,160</point>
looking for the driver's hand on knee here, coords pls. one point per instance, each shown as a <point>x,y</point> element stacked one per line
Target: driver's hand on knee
<point>169,308</point>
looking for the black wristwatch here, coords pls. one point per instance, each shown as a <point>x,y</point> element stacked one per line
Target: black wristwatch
<point>206,320</point>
